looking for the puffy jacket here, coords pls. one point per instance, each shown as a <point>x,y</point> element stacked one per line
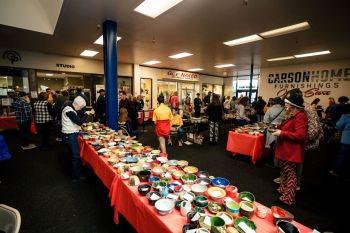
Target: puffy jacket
<point>291,142</point>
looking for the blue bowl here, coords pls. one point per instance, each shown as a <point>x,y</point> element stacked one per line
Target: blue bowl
<point>172,186</point>
<point>152,179</point>
<point>220,182</point>
<point>131,159</point>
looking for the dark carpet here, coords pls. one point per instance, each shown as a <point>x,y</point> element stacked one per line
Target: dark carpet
<point>37,183</point>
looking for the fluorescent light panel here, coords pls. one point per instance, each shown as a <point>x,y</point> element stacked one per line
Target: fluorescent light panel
<point>100,40</point>
<point>88,53</point>
<point>195,69</point>
<point>152,62</point>
<point>154,8</point>
<point>224,65</point>
<point>285,30</point>
<point>49,75</point>
<point>280,58</point>
<point>243,40</point>
<point>181,55</point>
<point>312,54</point>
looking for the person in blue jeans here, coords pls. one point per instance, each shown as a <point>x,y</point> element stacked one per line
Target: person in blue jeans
<point>342,161</point>
<point>72,119</point>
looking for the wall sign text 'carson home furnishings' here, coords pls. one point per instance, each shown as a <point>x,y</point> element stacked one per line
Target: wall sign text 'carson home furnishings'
<point>311,82</point>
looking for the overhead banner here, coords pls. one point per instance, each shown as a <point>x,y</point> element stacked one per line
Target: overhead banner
<point>321,80</point>
<point>180,75</point>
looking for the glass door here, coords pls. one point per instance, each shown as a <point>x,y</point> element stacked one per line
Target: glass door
<point>186,90</point>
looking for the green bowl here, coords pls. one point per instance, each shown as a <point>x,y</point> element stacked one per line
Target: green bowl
<point>246,196</point>
<point>188,178</point>
<point>159,184</point>
<point>246,209</point>
<point>248,222</point>
<point>215,207</point>
<point>201,201</point>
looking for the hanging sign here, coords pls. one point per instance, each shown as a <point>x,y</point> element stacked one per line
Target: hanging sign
<point>180,75</point>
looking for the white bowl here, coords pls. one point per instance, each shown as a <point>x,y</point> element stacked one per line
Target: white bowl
<point>164,206</point>
<point>199,189</point>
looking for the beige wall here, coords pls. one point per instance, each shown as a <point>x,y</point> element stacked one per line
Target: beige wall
<point>321,83</point>
<point>36,60</point>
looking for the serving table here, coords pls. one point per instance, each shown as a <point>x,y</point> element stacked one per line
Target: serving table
<point>246,144</point>
<point>135,208</point>
<point>9,122</point>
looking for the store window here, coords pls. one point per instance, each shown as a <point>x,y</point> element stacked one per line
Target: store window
<point>166,89</point>
<point>214,88</point>
<point>241,87</point>
<point>11,81</point>
<point>186,90</point>
<point>146,92</point>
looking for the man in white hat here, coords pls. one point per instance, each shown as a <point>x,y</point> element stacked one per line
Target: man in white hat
<point>71,122</point>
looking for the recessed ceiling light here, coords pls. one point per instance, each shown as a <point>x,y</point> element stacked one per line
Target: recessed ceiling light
<point>152,62</point>
<point>88,53</point>
<point>181,55</point>
<point>100,40</point>
<point>280,58</point>
<point>243,40</point>
<point>286,30</point>
<point>49,75</point>
<point>224,65</point>
<point>312,54</point>
<point>195,69</point>
<point>154,8</point>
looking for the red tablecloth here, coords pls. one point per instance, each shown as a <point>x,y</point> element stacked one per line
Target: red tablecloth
<point>240,143</point>
<point>148,116</point>
<point>9,122</point>
<point>136,209</point>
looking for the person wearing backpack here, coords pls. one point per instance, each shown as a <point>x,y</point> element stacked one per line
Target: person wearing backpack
<point>290,147</point>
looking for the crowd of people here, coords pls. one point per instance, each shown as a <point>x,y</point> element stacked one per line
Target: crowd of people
<point>65,112</point>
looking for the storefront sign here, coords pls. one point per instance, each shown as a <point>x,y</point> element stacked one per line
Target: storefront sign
<point>11,55</point>
<point>315,82</point>
<point>65,66</point>
<point>180,75</point>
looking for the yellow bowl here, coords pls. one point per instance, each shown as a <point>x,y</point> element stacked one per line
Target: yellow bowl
<point>190,169</point>
<point>216,193</point>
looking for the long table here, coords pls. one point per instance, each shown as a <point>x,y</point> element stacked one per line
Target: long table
<point>246,144</point>
<point>135,208</point>
<point>9,122</point>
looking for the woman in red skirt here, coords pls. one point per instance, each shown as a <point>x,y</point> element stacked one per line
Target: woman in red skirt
<point>290,146</point>
<point>162,117</point>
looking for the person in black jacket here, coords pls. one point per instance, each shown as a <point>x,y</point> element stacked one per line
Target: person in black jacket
<point>101,107</point>
<point>259,107</point>
<point>197,106</point>
<point>214,112</point>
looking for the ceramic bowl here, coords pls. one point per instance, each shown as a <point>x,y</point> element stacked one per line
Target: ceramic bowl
<point>189,178</point>
<point>172,169</point>
<point>144,189</point>
<point>216,193</point>
<point>250,224</point>
<point>188,226</point>
<point>215,207</point>
<point>281,214</point>
<point>220,182</point>
<point>172,162</point>
<point>286,227</point>
<point>131,159</point>
<point>226,217</point>
<point>159,184</point>
<point>193,217</point>
<point>203,174</point>
<point>262,211</point>
<point>187,196</point>
<point>246,196</point>
<point>232,208</point>
<point>190,169</point>
<point>135,170</point>
<point>157,152</point>
<point>158,170</point>
<point>202,230</point>
<point>182,163</point>
<point>152,179</point>
<point>177,174</point>
<point>153,197</point>
<point>199,189</point>
<point>172,187</point>
<point>162,159</point>
<point>203,181</point>
<point>246,208</point>
<point>178,204</point>
<point>201,201</point>
<point>164,206</point>
<point>144,175</point>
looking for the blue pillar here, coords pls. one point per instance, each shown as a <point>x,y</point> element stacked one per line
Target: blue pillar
<point>111,71</point>
<point>251,82</point>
